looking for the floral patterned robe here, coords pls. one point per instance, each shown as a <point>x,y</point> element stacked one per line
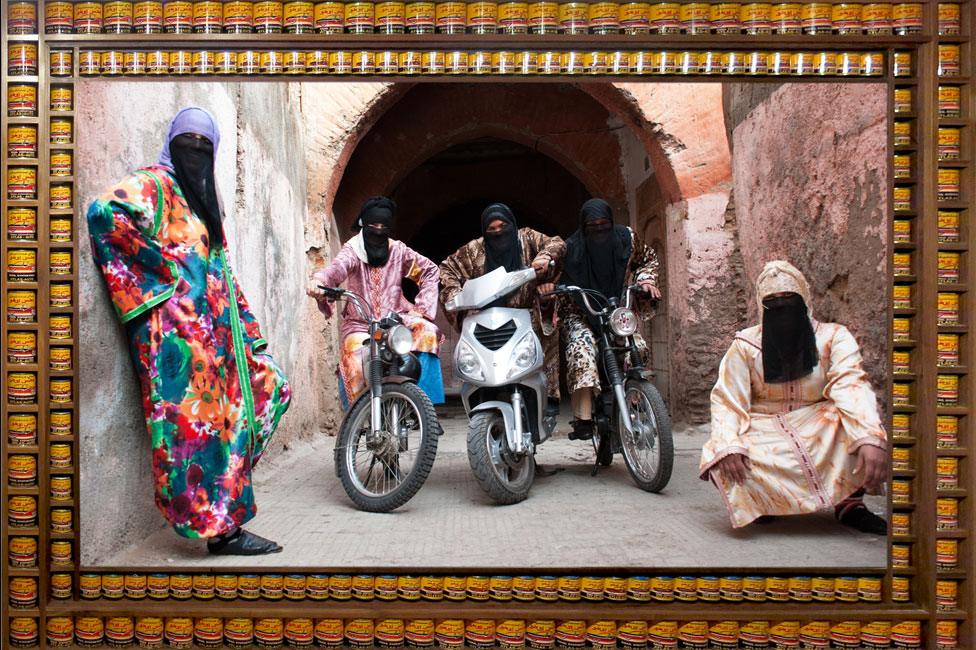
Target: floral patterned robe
<point>578,337</point>
<point>212,396</point>
<point>469,262</point>
<point>800,436</point>
<point>381,287</point>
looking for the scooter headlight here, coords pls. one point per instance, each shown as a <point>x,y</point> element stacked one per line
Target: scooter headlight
<point>468,363</point>
<point>524,355</point>
<point>399,339</point>
<point>623,321</point>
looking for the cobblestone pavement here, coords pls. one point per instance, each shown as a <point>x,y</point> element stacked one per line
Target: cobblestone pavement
<point>570,520</point>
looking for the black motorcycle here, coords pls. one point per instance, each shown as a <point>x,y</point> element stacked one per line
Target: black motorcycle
<point>388,439</point>
<point>629,413</point>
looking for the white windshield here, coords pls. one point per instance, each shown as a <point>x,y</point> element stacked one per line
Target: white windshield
<point>478,292</point>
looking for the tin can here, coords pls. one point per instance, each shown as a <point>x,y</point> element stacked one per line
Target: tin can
<point>61,131</point>
<point>60,585</point>
<point>208,632</point>
<point>113,586</point>
<point>902,133</point>
<point>694,634</point>
<point>733,63</point>
<point>362,587</point>
<point>359,633</point>
<point>907,18</point>
<point>757,17</point>
<point>724,635</point>
<point>478,587</point>
<point>391,18</point>
<point>60,631</point>
<point>147,17</point>
<point>946,636</point>
<point>756,63</point>
<point>685,588</point>
<point>23,632</point>
<point>902,165</point>
<point>21,470</point>
<point>363,62</point>
<point>786,18</point>
<point>869,589</point>
<point>754,589</point>
<point>420,17</point>
<point>695,18</point>
<point>947,346</point>
<point>900,593</point>
<point>571,62</point>
<point>21,347</point>
<point>707,588</point>
<point>22,552</point>
<point>22,512</point>
<point>546,588</point>
<point>89,63</point>
<point>238,16</point>
<point>21,307</point>
<point>948,184</point>
<point>60,327</point>
<point>949,143</point>
<point>946,595</point>
<point>299,633</point>
<point>479,62</point>
<point>947,554</point>
<point>359,17</point>
<point>901,458</point>
<point>294,586</point>
<point>670,18</point>
<point>902,198</point>
<point>90,586</point>
<point>513,17</point>
<point>902,263</point>
<point>822,589</point>
<point>901,491</point>
<point>902,64</point>
<point>268,16</point>
<point>947,431</point>
<point>543,17</point>
<point>432,62</point>
<point>947,473</point>
<point>60,488</point>
<point>450,17</point>
<point>570,634</point>
<point>877,18</point>
<point>825,64</point>
<point>239,632</point>
<point>872,64</point>
<point>294,62</point>
<point>22,17</point>
<point>87,17</point>
<point>780,63</point>
<point>526,62</point>
<point>482,17</point>
<point>479,633</point>
<point>815,18</point>
<point>89,631</point>
<point>248,62</point>
<point>902,98</point>
<point>21,141</point>
<point>604,17</point>
<point>58,17</point>
<point>179,632</point>
<point>574,17</point>
<point>157,586</point>
<point>60,423</point>
<point>299,17</point>
<point>948,224</point>
<point>22,429</point>
<point>22,183</point>
<point>902,234</point>
<point>602,635</point>
<point>21,265</point>
<point>662,588</point>
<point>157,62</point>
<point>419,633</point>
<point>541,634</point>
<point>117,16</point>
<point>340,587</point>
<point>949,60</point>
<point>208,16</point>
<point>271,62</point>
<point>134,586</point>
<point>815,634</point>
<point>202,62</point>
<point>503,62</point>
<point>948,267</point>
<point>950,101</point>
<point>663,634</point>
<point>60,262</point>
<point>449,634</point>
<point>457,62</point>
<point>60,456</point>
<point>60,294</point>
<point>847,18</point>
<point>178,16</point>
<point>180,586</point>
<point>950,18</point>
<point>223,62</point>
<point>21,388</point>
<point>777,589</point>
<point>846,634</point>
<point>203,586</point>
<point>724,17</point>
<point>510,634</point>
<point>21,100</point>
<point>61,163</point>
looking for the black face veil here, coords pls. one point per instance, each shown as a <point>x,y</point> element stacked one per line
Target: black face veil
<point>376,221</point>
<point>789,344</point>
<point>193,165</point>
<point>501,248</point>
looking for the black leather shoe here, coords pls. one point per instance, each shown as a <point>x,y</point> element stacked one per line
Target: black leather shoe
<point>241,542</point>
<point>582,430</point>
<point>864,520</point>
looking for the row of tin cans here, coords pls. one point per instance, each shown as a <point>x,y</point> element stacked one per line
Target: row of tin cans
<point>416,62</point>
<point>22,389</point>
<point>946,429</point>
<point>22,428</point>
<point>949,223</point>
<point>480,17</point>
<point>946,393</point>
<point>22,226</point>
<point>481,634</point>
<point>22,264</point>
<point>22,308</point>
<point>22,99</point>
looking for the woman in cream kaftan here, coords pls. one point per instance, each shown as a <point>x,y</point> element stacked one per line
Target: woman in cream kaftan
<point>809,443</point>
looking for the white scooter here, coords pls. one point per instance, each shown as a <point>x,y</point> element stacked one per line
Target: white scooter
<point>499,358</point>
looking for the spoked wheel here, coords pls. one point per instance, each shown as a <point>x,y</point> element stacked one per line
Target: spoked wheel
<point>382,472</point>
<point>649,449</point>
<point>503,475</point>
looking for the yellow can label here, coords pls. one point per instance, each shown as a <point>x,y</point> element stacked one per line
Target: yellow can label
<point>513,14</point>
<point>877,14</point>
<point>238,13</point>
<point>482,14</point>
<point>420,14</point>
<point>543,14</point>
<point>450,14</point>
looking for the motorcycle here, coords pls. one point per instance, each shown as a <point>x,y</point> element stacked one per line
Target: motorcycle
<point>629,413</point>
<point>388,438</point>
<point>499,359</point>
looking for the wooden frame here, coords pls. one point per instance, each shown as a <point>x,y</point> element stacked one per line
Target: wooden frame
<point>928,572</point>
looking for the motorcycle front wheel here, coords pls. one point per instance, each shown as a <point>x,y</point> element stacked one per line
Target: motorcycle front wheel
<point>649,449</point>
<point>381,473</point>
<point>504,477</point>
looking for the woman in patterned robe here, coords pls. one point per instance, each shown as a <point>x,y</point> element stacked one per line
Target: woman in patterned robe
<point>212,395</point>
<point>503,243</point>
<point>605,257</point>
<point>374,265</point>
<point>795,424</point>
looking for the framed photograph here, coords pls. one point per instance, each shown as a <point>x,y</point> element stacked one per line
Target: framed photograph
<point>654,324</point>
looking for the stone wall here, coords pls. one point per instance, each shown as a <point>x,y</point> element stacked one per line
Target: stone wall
<point>261,176</point>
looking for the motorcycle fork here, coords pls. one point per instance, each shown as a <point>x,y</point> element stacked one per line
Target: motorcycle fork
<point>375,376</point>
<point>615,375</point>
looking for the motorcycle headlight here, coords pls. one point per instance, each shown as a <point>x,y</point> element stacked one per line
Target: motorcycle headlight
<point>468,363</point>
<point>524,355</point>
<point>399,339</point>
<point>623,322</point>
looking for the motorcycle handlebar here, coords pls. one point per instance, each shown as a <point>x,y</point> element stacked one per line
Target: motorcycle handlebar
<point>337,293</point>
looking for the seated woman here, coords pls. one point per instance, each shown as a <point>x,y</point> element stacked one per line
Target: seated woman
<point>795,424</point>
<point>374,266</point>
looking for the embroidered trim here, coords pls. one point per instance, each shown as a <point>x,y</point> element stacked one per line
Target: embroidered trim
<point>806,463</point>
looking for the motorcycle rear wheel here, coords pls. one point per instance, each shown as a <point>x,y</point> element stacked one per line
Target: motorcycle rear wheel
<point>503,477</point>
<point>373,479</point>
<point>649,457</point>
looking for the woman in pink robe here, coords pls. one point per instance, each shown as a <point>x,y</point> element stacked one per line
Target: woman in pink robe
<point>374,265</point>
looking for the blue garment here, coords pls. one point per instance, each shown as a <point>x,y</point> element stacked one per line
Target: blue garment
<point>431,380</point>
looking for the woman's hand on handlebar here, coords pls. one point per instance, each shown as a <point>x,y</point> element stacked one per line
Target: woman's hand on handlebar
<point>546,291</point>
<point>315,290</point>
<point>649,288</point>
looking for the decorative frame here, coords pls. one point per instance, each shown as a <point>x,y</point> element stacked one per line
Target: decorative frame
<point>923,599</point>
